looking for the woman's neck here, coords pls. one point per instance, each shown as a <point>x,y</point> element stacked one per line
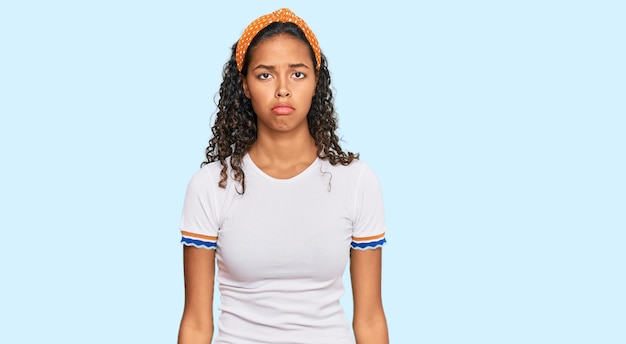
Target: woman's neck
<point>283,157</point>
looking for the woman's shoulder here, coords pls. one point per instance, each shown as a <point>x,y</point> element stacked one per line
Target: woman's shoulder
<point>207,176</point>
<point>354,166</point>
<point>355,170</point>
<point>210,169</point>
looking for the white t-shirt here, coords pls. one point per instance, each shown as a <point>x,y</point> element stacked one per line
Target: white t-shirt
<point>282,247</point>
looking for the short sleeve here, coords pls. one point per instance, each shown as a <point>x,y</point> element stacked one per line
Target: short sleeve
<point>199,221</point>
<point>369,224</point>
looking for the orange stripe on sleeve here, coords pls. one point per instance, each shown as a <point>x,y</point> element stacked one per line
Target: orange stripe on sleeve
<point>369,238</point>
<point>199,236</point>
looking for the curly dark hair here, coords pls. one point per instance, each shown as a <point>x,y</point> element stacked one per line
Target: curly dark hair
<point>235,126</point>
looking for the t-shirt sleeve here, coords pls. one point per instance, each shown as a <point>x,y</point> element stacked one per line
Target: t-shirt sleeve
<point>199,222</point>
<point>369,225</point>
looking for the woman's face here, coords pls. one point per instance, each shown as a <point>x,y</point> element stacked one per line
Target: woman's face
<point>280,84</point>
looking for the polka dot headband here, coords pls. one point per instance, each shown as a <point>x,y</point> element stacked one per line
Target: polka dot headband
<point>283,15</point>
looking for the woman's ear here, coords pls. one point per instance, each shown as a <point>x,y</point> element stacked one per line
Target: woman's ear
<point>244,84</point>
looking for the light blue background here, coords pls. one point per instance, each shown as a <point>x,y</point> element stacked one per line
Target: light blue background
<point>497,129</point>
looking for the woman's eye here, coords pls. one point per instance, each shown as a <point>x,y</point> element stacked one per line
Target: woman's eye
<point>264,76</point>
<point>298,75</point>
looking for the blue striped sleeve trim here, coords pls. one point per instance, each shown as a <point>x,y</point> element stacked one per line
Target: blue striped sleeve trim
<point>368,245</point>
<point>198,243</point>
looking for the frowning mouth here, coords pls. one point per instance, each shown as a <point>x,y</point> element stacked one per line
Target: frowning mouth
<point>283,109</point>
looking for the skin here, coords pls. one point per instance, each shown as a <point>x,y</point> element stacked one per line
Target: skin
<point>281,71</point>
<point>369,321</point>
<point>196,326</point>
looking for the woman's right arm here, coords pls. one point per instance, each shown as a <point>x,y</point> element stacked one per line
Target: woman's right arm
<point>196,326</point>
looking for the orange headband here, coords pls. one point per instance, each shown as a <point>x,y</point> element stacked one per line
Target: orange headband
<point>283,15</point>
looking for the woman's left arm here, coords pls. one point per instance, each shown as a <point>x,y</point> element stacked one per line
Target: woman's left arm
<point>369,322</point>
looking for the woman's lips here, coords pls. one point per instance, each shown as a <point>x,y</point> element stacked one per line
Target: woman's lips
<point>283,109</point>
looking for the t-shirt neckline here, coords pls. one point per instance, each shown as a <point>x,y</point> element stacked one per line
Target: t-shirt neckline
<point>248,160</point>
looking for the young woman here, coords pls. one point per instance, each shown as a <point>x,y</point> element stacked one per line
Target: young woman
<point>279,206</point>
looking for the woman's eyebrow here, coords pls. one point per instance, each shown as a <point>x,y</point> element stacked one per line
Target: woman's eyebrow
<point>262,66</point>
<point>291,65</point>
<point>298,65</point>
